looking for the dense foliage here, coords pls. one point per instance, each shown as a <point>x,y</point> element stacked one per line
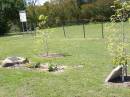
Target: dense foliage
<point>9,13</point>
<point>4,28</point>
<point>59,11</point>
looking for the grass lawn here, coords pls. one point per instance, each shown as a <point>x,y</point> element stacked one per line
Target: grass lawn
<point>83,82</point>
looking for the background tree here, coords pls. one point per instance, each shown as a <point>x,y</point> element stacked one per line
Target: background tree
<point>9,12</point>
<point>71,10</point>
<point>32,12</point>
<point>96,9</point>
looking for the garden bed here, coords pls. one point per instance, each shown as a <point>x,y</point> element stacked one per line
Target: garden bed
<point>24,63</point>
<point>118,82</point>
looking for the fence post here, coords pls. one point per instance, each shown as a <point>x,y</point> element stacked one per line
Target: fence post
<point>26,27</point>
<point>64,30</point>
<point>23,27</point>
<point>102,30</point>
<point>84,30</point>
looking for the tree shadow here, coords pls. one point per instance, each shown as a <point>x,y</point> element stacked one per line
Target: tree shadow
<point>14,34</point>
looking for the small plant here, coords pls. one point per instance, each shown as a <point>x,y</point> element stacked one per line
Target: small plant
<point>34,65</point>
<point>37,65</point>
<point>52,68</point>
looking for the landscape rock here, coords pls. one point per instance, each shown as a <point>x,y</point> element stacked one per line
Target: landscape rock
<point>116,73</point>
<point>13,61</point>
<point>44,67</point>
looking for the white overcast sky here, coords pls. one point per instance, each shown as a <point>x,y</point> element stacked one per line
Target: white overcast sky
<point>41,1</point>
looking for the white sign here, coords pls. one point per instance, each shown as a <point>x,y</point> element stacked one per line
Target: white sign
<point>22,15</point>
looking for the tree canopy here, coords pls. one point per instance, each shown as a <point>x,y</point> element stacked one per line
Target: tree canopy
<point>69,10</point>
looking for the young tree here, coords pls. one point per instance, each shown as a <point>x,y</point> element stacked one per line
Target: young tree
<point>117,44</point>
<point>42,35</point>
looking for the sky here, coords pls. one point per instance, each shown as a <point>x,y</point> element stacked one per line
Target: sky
<point>40,2</point>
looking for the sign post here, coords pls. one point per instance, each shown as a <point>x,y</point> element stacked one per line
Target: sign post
<point>23,18</point>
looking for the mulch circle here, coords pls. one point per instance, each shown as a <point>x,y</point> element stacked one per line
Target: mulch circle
<point>52,55</point>
<point>118,83</point>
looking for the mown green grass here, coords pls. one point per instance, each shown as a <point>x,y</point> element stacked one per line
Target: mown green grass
<point>88,81</point>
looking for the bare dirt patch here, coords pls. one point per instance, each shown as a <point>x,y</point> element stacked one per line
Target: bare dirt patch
<point>55,69</point>
<point>118,82</point>
<point>53,55</point>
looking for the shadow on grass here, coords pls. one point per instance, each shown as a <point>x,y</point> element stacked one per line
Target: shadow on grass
<point>20,33</point>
